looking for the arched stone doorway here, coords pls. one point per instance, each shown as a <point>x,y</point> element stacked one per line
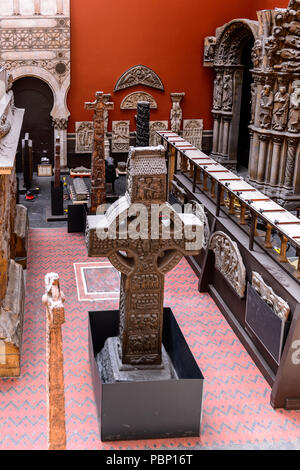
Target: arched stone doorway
<point>232,92</point>
<point>36,97</point>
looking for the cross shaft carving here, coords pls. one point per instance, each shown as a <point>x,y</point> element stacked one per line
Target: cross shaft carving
<point>99,106</point>
<point>144,259</point>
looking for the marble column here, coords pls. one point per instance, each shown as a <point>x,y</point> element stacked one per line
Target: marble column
<point>277,142</point>
<point>60,130</point>
<point>263,147</point>
<point>252,157</point>
<point>290,162</point>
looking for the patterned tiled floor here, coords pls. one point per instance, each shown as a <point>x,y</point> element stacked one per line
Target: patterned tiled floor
<point>236,409</point>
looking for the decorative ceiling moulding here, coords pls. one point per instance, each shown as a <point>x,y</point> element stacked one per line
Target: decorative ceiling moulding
<point>139,75</point>
<point>228,261</point>
<point>131,101</point>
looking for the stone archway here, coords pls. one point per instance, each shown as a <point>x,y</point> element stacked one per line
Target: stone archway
<point>59,113</point>
<point>230,43</point>
<point>36,97</point>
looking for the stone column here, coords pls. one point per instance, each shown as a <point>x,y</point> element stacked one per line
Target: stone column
<point>106,99</point>
<point>226,128</point>
<point>216,133</point>
<point>263,147</point>
<point>290,162</point>
<point>277,141</point>
<point>252,157</point>
<point>60,7</point>
<point>37,7</point>
<point>142,124</point>
<point>60,130</point>
<point>220,137</point>
<point>16,7</point>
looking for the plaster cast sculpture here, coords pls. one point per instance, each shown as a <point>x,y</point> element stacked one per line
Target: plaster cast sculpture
<point>84,136</point>
<point>176,111</point>
<point>280,307</point>
<point>193,131</point>
<point>142,124</point>
<point>139,75</point>
<point>228,261</point>
<point>99,106</point>
<point>131,101</point>
<point>145,260</point>
<point>156,126</point>
<point>120,136</point>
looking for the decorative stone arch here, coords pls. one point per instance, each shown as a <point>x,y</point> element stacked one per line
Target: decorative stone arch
<point>230,42</point>
<point>60,113</point>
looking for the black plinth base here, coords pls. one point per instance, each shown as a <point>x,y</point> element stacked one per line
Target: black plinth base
<point>77,218</point>
<point>57,199</point>
<point>152,409</point>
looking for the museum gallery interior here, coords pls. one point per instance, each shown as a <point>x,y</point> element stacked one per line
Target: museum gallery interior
<point>150,225</point>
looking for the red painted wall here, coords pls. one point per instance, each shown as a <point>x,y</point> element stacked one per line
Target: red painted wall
<point>110,36</point>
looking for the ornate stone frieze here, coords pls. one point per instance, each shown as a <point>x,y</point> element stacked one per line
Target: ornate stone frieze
<point>192,131</point>
<point>120,136</point>
<point>139,75</point>
<point>228,261</point>
<point>84,136</point>
<point>131,101</point>
<point>280,306</point>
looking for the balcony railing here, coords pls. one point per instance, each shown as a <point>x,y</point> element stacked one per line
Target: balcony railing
<point>238,199</point>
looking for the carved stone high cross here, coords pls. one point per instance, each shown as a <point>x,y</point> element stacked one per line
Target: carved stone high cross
<point>143,255</point>
<point>98,155</point>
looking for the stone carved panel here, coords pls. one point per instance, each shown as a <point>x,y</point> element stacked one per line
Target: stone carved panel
<point>209,51</point>
<point>157,126</point>
<point>294,115</point>
<point>280,306</point>
<point>280,111</point>
<point>120,136</point>
<point>228,261</point>
<point>192,131</point>
<point>131,101</point>
<point>84,136</point>
<point>139,75</point>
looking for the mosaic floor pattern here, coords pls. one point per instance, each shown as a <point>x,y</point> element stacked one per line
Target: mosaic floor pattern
<point>236,409</point>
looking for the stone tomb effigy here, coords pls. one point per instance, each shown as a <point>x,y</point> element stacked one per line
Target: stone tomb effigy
<point>13,237</point>
<point>140,360</point>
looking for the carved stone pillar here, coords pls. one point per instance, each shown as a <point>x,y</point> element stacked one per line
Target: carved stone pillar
<point>176,112</point>
<point>16,7</point>
<point>277,143</point>
<point>220,137</point>
<point>60,130</point>
<point>60,7</point>
<point>252,157</point>
<point>263,147</point>
<point>37,7</point>
<point>142,124</point>
<point>226,128</point>
<point>216,133</point>
<point>290,162</point>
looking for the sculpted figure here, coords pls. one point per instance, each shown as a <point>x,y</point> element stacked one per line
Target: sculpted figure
<point>294,118</point>
<point>218,92</point>
<point>227,93</point>
<point>281,105</point>
<point>266,104</point>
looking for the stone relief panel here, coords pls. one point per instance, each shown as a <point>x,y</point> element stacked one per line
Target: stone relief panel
<point>120,136</point>
<point>176,111</point>
<point>192,131</point>
<point>209,51</point>
<point>157,126</point>
<point>280,306</point>
<point>130,101</point>
<point>84,136</point>
<point>139,75</point>
<point>228,261</point>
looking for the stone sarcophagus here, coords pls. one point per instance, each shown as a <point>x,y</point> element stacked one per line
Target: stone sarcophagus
<point>13,236</point>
